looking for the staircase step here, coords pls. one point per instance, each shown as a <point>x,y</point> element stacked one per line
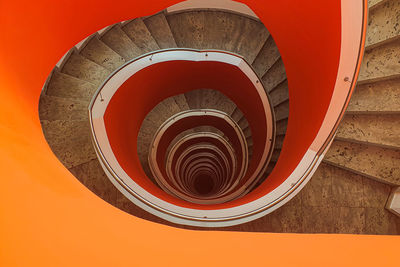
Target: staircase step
<point>233,32</point>
<point>70,141</point>
<point>85,69</point>
<point>380,130</point>
<point>381,63</point>
<point>218,30</point>
<point>279,141</point>
<point>160,30</point>
<point>281,127</point>
<point>274,76</point>
<point>275,155</point>
<point>268,55</point>
<point>140,35</point>
<point>187,29</point>
<point>237,115</point>
<point>247,132</point>
<point>243,124</point>
<point>381,164</point>
<point>64,85</point>
<point>374,3</point>
<point>91,175</point>
<point>279,94</point>
<point>383,23</point>
<point>282,111</point>
<point>379,97</point>
<point>56,108</point>
<point>118,41</point>
<point>180,100</point>
<point>100,53</point>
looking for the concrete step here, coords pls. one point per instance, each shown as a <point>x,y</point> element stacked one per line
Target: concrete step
<point>376,98</point>
<point>279,141</point>
<point>100,53</point>
<point>267,57</point>
<point>85,69</point>
<point>274,76</point>
<point>381,63</point>
<point>70,141</point>
<point>118,41</point>
<point>180,100</point>
<point>64,85</point>
<point>282,111</point>
<point>56,108</point>
<point>281,127</point>
<point>380,164</point>
<point>218,30</point>
<point>279,94</point>
<point>140,35</point>
<point>91,175</point>
<point>160,30</point>
<point>378,130</point>
<point>372,4</point>
<point>383,23</point>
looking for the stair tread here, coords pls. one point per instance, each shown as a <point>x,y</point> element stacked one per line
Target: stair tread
<point>376,129</point>
<point>381,164</point>
<point>218,30</point>
<point>64,85</point>
<point>268,55</point>
<point>180,100</point>
<point>119,41</point>
<point>279,94</point>
<point>274,76</point>
<point>57,108</point>
<point>160,30</point>
<point>91,175</point>
<point>383,23</point>
<point>100,53</point>
<point>140,35</point>
<point>378,97</point>
<point>282,111</point>
<point>281,127</point>
<point>70,141</point>
<point>381,63</point>
<point>85,69</point>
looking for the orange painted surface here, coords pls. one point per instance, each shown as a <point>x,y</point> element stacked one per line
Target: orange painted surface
<point>47,218</point>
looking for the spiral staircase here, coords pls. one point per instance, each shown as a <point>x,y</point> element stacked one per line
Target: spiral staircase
<point>353,188</point>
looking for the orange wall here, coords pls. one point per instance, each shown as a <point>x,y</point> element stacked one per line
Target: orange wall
<point>47,218</point>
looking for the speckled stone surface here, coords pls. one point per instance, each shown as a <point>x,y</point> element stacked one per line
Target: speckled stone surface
<point>56,108</point>
<point>380,221</point>
<point>91,175</point>
<point>381,63</point>
<point>282,111</point>
<point>159,29</point>
<point>280,94</point>
<point>70,141</point>
<point>378,97</point>
<point>118,41</point>
<point>99,52</point>
<point>383,23</point>
<point>381,130</point>
<point>274,76</point>
<point>140,35</point>
<point>281,127</point>
<point>374,3</point>
<point>218,30</point>
<point>268,55</point>
<point>378,163</point>
<point>82,68</point>
<point>279,141</point>
<point>63,85</point>
<point>180,100</point>
<point>237,114</point>
<point>187,29</point>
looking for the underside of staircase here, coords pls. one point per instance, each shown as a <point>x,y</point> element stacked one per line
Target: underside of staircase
<point>349,191</point>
